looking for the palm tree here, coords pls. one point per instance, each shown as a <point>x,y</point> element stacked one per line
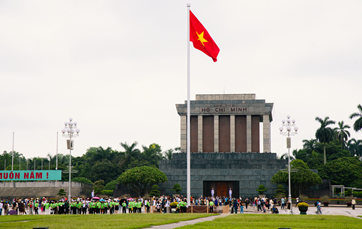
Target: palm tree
<point>168,154</point>
<point>310,145</point>
<point>358,123</point>
<point>341,133</point>
<point>324,134</point>
<point>355,147</point>
<point>152,154</point>
<point>130,152</point>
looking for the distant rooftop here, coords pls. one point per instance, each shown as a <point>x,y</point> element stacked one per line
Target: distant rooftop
<point>226,97</point>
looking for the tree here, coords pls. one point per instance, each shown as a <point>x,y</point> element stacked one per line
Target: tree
<point>131,153</point>
<point>176,188</point>
<point>358,123</point>
<point>261,189</point>
<point>140,179</point>
<point>324,134</point>
<point>61,193</point>
<point>111,185</point>
<point>168,154</point>
<point>152,154</point>
<point>98,186</point>
<point>345,171</point>
<point>342,133</point>
<point>155,191</point>
<point>310,145</point>
<point>355,147</point>
<point>301,180</point>
<point>82,180</point>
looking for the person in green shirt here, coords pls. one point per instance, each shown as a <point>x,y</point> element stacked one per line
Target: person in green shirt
<point>211,206</point>
<point>47,206</point>
<point>98,208</point>
<point>36,207</point>
<point>139,206</point>
<point>148,205</point>
<point>79,206</point>
<point>124,205</point>
<point>130,206</point>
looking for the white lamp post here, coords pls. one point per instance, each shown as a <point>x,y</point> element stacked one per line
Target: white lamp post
<point>70,131</point>
<point>288,132</point>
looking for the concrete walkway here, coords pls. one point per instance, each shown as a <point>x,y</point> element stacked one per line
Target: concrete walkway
<point>331,210</point>
<point>189,222</point>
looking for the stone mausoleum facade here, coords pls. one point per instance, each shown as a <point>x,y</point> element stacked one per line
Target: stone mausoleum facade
<point>225,152</point>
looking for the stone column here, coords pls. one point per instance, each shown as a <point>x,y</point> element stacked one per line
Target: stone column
<point>248,133</point>
<point>216,133</point>
<point>266,134</point>
<point>232,133</point>
<point>199,133</point>
<point>183,134</point>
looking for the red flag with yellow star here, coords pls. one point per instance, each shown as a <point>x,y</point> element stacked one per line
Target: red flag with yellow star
<point>201,39</point>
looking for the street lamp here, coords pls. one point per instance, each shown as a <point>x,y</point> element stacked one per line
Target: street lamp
<point>288,132</point>
<point>70,131</point>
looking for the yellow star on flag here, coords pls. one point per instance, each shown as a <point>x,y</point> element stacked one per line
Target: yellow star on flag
<point>201,38</point>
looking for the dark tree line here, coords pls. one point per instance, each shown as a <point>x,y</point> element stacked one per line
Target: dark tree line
<point>96,164</point>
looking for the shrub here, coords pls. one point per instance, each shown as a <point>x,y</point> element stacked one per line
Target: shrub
<point>303,197</point>
<point>98,186</point>
<point>261,189</point>
<point>177,188</point>
<point>348,199</point>
<point>155,191</point>
<point>61,193</point>
<point>82,180</point>
<point>107,192</point>
<point>280,190</point>
<point>325,199</point>
<point>111,185</point>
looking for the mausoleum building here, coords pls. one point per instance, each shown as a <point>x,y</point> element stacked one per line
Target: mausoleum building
<point>225,152</point>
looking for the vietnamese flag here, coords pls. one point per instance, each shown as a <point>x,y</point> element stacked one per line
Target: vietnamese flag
<point>201,39</point>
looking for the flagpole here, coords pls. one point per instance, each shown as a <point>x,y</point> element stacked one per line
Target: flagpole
<point>188,108</point>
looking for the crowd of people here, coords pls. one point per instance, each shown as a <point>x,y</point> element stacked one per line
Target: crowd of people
<point>126,205</point>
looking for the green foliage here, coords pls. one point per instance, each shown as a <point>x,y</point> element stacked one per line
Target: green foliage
<point>312,153</point>
<point>82,180</point>
<point>61,192</point>
<point>345,171</point>
<point>107,192</point>
<point>261,189</point>
<point>176,188</point>
<point>324,134</point>
<point>300,180</point>
<point>155,191</point>
<point>280,190</point>
<point>111,185</point>
<point>140,179</point>
<point>98,186</point>
<point>358,123</point>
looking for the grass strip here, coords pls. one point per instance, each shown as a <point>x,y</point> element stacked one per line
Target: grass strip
<point>128,221</point>
<point>260,221</point>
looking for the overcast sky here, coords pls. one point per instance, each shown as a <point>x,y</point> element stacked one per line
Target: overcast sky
<point>119,67</point>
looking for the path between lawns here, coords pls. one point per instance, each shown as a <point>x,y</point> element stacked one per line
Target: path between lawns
<point>188,222</point>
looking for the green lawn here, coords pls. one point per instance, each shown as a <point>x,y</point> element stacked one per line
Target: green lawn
<point>262,221</point>
<point>94,221</point>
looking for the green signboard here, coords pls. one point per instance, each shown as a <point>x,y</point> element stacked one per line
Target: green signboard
<point>26,175</point>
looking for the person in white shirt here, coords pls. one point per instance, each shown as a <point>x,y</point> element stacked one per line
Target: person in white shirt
<point>1,207</point>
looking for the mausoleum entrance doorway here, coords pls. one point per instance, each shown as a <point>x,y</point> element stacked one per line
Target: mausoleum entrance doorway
<point>221,188</point>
